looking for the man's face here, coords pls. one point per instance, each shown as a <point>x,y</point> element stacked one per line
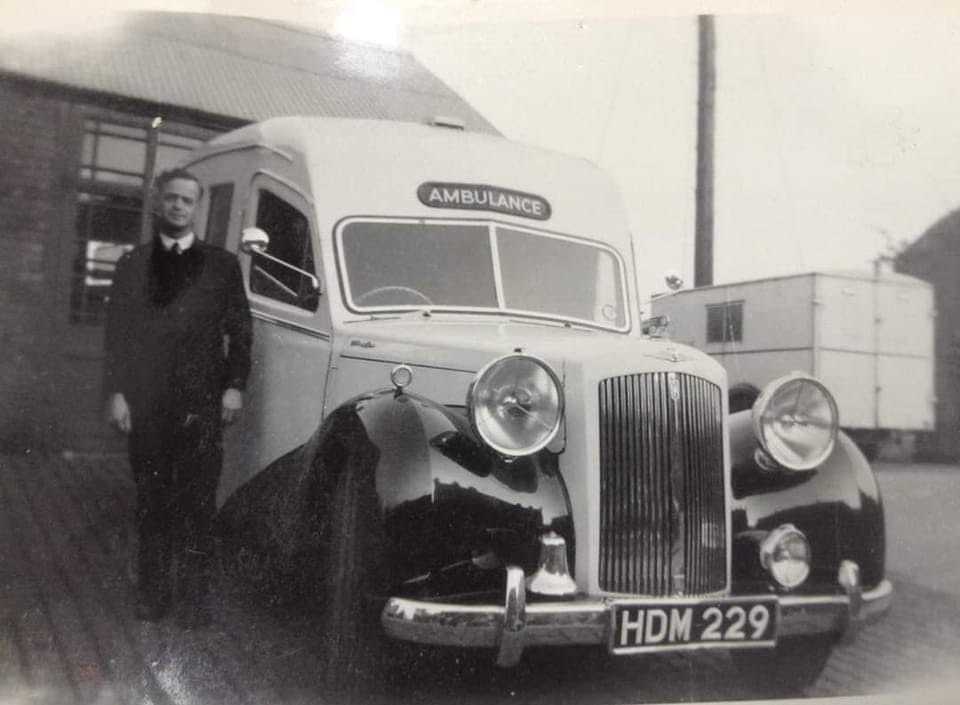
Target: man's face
<point>178,202</point>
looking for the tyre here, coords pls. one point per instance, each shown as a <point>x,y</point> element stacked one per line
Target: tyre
<point>355,648</point>
<point>242,565</point>
<point>251,574</point>
<point>742,396</point>
<point>870,450</point>
<point>868,441</point>
<point>787,670</point>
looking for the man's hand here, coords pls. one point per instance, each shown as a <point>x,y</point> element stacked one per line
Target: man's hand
<point>119,412</point>
<point>232,404</point>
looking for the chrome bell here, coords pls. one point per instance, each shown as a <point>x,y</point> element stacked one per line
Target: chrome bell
<point>553,575</point>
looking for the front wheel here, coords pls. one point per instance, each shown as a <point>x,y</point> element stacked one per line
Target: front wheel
<point>788,669</point>
<point>353,640</point>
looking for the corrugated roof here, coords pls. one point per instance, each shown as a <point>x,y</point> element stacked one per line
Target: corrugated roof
<point>238,67</point>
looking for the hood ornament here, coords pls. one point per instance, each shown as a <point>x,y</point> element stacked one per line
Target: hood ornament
<point>671,354</point>
<point>401,376</point>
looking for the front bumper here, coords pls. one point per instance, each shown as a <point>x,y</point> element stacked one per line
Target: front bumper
<point>515,625</point>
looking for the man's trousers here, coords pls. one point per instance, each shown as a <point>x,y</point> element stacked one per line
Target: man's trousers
<point>176,460</point>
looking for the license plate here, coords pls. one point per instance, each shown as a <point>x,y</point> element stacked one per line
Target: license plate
<point>638,627</point>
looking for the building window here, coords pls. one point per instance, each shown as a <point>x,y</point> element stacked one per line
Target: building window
<point>113,153</point>
<point>289,233</point>
<point>171,149</point>
<point>118,159</point>
<point>725,322</point>
<point>107,226</point>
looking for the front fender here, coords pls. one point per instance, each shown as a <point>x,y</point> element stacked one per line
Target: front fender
<point>453,512</point>
<point>837,506</point>
<point>447,512</point>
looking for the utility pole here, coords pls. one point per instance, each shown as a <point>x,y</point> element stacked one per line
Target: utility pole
<point>706,88</point>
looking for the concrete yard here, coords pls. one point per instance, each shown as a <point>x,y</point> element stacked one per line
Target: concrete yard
<point>67,633</point>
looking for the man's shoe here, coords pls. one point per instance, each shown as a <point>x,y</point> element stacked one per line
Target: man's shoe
<point>149,610</point>
<point>194,617</point>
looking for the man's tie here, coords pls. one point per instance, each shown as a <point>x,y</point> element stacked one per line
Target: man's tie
<point>176,248</point>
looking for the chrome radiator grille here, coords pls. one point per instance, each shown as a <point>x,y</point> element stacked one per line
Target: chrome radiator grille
<point>662,521</point>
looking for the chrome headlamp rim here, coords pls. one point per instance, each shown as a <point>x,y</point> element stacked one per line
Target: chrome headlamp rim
<point>547,438</point>
<point>760,407</point>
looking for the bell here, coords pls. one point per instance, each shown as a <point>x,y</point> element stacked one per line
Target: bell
<point>553,576</point>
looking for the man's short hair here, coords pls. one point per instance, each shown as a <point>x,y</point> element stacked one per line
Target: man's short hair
<point>165,177</point>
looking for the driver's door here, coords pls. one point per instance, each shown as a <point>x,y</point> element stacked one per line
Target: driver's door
<point>291,333</point>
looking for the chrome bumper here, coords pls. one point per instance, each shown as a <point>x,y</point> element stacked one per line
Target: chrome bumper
<point>515,625</point>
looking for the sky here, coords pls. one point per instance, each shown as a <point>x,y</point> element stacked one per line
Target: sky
<point>836,136</point>
<point>837,133</point>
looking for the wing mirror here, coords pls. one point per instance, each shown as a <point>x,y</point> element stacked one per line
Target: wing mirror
<point>657,326</point>
<point>673,280</point>
<point>254,240</point>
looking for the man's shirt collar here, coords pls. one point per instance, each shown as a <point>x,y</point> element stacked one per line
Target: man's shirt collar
<point>186,242</point>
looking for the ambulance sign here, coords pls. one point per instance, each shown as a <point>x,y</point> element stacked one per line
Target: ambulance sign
<point>480,197</point>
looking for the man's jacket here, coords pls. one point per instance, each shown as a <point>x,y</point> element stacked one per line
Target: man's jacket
<point>177,355</point>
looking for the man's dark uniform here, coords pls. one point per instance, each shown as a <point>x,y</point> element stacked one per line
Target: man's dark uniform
<point>178,334</point>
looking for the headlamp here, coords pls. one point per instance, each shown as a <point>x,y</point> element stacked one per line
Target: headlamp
<point>515,405</point>
<point>795,420</point>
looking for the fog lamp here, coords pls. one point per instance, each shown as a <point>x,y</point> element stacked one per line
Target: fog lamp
<point>795,420</point>
<point>515,405</point>
<point>785,554</point>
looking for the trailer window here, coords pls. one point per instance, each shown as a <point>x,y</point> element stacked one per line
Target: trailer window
<point>725,322</point>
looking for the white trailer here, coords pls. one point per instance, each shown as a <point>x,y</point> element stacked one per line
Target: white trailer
<point>868,337</point>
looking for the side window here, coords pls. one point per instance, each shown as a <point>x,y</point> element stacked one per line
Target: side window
<point>218,221</point>
<point>725,322</point>
<point>290,279</point>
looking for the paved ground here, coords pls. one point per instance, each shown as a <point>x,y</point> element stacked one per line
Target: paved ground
<point>923,523</point>
<point>67,634</point>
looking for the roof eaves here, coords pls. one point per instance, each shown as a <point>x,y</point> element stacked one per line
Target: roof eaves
<point>126,103</point>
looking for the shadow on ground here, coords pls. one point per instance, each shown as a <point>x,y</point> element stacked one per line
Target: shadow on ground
<point>67,633</point>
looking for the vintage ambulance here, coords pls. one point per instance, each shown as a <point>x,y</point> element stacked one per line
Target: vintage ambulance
<point>456,433</point>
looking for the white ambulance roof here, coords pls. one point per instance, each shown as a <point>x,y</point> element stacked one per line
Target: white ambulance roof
<point>374,167</point>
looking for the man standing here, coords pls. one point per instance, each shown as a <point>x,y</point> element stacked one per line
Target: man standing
<point>177,357</point>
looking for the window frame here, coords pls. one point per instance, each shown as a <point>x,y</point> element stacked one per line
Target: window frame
<point>492,224</point>
<point>286,192</point>
<point>222,216</point>
<point>83,173</point>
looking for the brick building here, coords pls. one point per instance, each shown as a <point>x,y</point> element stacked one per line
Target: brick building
<point>935,257</point>
<point>87,120</point>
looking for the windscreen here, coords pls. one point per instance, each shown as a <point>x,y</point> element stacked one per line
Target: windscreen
<point>560,276</point>
<point>419,264</point>
<point>480,266</point>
